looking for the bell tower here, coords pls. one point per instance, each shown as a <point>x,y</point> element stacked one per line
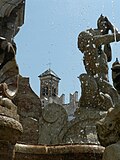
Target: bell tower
<point>48,84</point>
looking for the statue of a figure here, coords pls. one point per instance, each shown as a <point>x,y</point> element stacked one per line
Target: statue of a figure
<point>9,72</point>
<point>90,42</point>
<point>95,45</point>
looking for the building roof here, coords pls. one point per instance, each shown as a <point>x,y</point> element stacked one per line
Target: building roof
<point>49,72</point>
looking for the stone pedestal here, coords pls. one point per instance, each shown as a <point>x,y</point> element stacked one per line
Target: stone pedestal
<point>10,131</point>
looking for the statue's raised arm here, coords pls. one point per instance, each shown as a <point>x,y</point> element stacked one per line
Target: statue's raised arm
<point>105,39</point>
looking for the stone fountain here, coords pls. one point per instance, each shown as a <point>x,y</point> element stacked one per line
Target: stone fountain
<point>55,137</point>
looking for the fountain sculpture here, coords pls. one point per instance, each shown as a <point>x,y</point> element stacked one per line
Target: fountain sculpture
<point>95,45</point>
<point>95,84</point>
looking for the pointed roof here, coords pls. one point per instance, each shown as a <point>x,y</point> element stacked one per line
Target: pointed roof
<point>49,72</point>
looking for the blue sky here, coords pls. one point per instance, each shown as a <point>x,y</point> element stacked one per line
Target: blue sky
<point>50,33</point>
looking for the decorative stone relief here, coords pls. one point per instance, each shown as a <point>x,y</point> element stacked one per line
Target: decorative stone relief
<point>53,120</point>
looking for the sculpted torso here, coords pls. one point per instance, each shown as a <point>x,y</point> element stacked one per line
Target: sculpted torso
<point>95,60</point>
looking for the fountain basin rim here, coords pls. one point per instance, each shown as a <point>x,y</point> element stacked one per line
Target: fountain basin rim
<point>58,149</point>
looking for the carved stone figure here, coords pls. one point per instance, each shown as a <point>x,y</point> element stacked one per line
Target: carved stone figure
<point>90,43</point>
<point>108,130</point>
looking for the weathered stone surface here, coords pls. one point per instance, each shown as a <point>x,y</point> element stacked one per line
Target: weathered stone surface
<point>12,112</point>
<point>82,128</point>
<point>29,109</point>
<point>53,120</point>
<point>11,126</point>
<point>108,130</point>
<point>108,127</point>
<point>31,130</point>
<point>112,152</point>
<point>90,90</point>
<point>10,131</point>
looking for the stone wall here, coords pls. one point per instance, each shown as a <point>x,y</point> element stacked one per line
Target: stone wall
<point>29,110</point>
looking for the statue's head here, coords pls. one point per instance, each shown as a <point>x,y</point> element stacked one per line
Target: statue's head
<point>102,24</point>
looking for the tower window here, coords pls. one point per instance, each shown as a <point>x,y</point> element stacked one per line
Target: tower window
<point>45,91</point>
